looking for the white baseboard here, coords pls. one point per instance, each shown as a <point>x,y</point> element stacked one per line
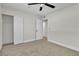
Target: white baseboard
<point>29,40</point>
<point>65,45</point>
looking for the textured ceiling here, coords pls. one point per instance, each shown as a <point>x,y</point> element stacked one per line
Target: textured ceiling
<point>35,8</point>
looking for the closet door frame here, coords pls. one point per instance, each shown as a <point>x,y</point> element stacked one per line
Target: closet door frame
<point>18,36</point>
<point>4,24</point>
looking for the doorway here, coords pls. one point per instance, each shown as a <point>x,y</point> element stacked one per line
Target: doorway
<point>39,29</point>
<point>45,27</point>
<point>7,29</point>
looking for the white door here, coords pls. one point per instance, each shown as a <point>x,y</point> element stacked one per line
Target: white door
<point>7,32</point>
<point>45,27</point>
<point>18,29</point>
<point>39,29</point>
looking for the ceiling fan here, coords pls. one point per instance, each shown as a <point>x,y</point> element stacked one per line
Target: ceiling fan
<point>41,5</point>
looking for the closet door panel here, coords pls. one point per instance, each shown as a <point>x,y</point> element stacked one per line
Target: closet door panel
<point>18,29</point>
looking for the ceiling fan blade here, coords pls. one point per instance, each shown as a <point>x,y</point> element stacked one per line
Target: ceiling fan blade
<point>41,8</point>
<point>35,3</point>
<point>49,5</point>
<point>32,3</point>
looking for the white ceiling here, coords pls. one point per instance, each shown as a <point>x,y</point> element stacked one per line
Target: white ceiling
<point>35,8</point>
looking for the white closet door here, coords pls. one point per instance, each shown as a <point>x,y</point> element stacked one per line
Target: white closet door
<point>7,29</point>
<point>18,29</point>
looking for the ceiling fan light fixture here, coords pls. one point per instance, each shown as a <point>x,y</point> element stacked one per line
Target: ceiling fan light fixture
<point>40,8</point>
<point>41,5</point>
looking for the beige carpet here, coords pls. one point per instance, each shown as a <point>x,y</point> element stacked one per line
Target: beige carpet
<point>37,48</point>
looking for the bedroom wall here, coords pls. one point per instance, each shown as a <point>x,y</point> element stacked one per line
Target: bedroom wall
<point>63,27</point>
<point>29,27</point>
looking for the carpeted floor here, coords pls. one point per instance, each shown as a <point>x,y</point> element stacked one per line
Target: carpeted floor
<point>37,48</point>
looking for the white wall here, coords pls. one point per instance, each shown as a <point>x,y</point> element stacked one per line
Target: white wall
<point>29,27</point>
<point>0,29</point>
<point>63,27</point>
